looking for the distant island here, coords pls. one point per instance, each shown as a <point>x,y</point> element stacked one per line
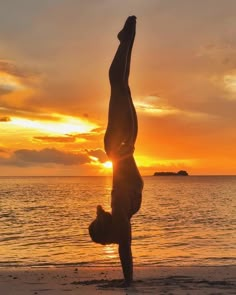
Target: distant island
<point>179,173</point>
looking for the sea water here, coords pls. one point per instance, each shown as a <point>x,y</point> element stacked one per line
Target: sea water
<point>183,221</point>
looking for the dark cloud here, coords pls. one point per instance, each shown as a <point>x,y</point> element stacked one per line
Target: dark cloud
<point>12,69</point>
<point>92,135</point>
<point>5,119</point>
<point>3,90</point>
<point>98,130</point>
<point>55,138</point>
<point>98,153</point>
<point>26,157</point>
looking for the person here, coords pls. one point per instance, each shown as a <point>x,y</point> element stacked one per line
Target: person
<point>119,142</point>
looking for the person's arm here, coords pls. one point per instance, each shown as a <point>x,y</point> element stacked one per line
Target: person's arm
<point>122,228</point>
<point>125,254</point>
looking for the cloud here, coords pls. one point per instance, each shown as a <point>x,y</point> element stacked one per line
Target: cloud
<point>5,119</point>
<point>17,85</point>
<point>93,134</point>
<point>25,112</point>
<point>158,107</point>
<point>9,84</point>
<point>12,69</point>
<point>3,90</point>
<point>99,154</point>
<point>98,130</point>
<point>55,138</point>
<point>155,110</point>
<point>24,157</point>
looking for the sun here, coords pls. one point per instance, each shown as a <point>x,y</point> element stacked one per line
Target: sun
<point>107,165</point>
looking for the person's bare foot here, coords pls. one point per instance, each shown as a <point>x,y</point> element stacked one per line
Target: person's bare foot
<point>128,31</point>
<point>126,284</point>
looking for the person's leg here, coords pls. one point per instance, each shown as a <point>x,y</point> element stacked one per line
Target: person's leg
<point>120,118</point>
<point>133,137</point>
<point>135,122</point>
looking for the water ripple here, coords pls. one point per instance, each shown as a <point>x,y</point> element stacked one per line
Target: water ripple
<point>184,221</point>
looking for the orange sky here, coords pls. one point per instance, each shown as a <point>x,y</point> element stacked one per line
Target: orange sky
<point>54,90</point>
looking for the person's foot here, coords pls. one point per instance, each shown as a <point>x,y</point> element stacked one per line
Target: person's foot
<point>128,31</point>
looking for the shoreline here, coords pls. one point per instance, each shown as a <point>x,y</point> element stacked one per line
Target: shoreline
<point>115,266</point>
<point>108,175</point>
<point>105,280</point>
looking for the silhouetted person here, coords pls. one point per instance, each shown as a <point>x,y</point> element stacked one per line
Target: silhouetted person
<point>119,143</point>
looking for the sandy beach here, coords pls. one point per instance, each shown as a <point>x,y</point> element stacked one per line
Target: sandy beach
<point>97,280</point>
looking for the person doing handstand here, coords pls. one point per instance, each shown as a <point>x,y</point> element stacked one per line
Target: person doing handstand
<point>119,142</point>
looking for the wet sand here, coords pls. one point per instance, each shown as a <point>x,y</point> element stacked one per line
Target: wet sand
<point>97,280</point>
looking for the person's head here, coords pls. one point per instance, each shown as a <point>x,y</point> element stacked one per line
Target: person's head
<point>100,229</point>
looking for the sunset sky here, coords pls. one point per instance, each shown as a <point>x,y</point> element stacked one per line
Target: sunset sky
<point>54,89</point>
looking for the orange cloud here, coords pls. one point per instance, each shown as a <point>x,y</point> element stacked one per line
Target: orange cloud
<point>55,138</point>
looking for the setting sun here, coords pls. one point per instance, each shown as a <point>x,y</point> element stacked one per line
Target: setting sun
<point>107,164</point>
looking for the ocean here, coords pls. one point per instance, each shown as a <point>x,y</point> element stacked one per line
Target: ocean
<point>183,221</point>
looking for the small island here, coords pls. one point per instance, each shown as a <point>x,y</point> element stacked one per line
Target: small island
<point>179,173</point>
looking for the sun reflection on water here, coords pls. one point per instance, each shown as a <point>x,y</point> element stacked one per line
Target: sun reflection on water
<point>110,251</point>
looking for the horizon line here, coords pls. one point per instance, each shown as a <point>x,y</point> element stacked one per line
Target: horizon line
<point>111,175</point>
